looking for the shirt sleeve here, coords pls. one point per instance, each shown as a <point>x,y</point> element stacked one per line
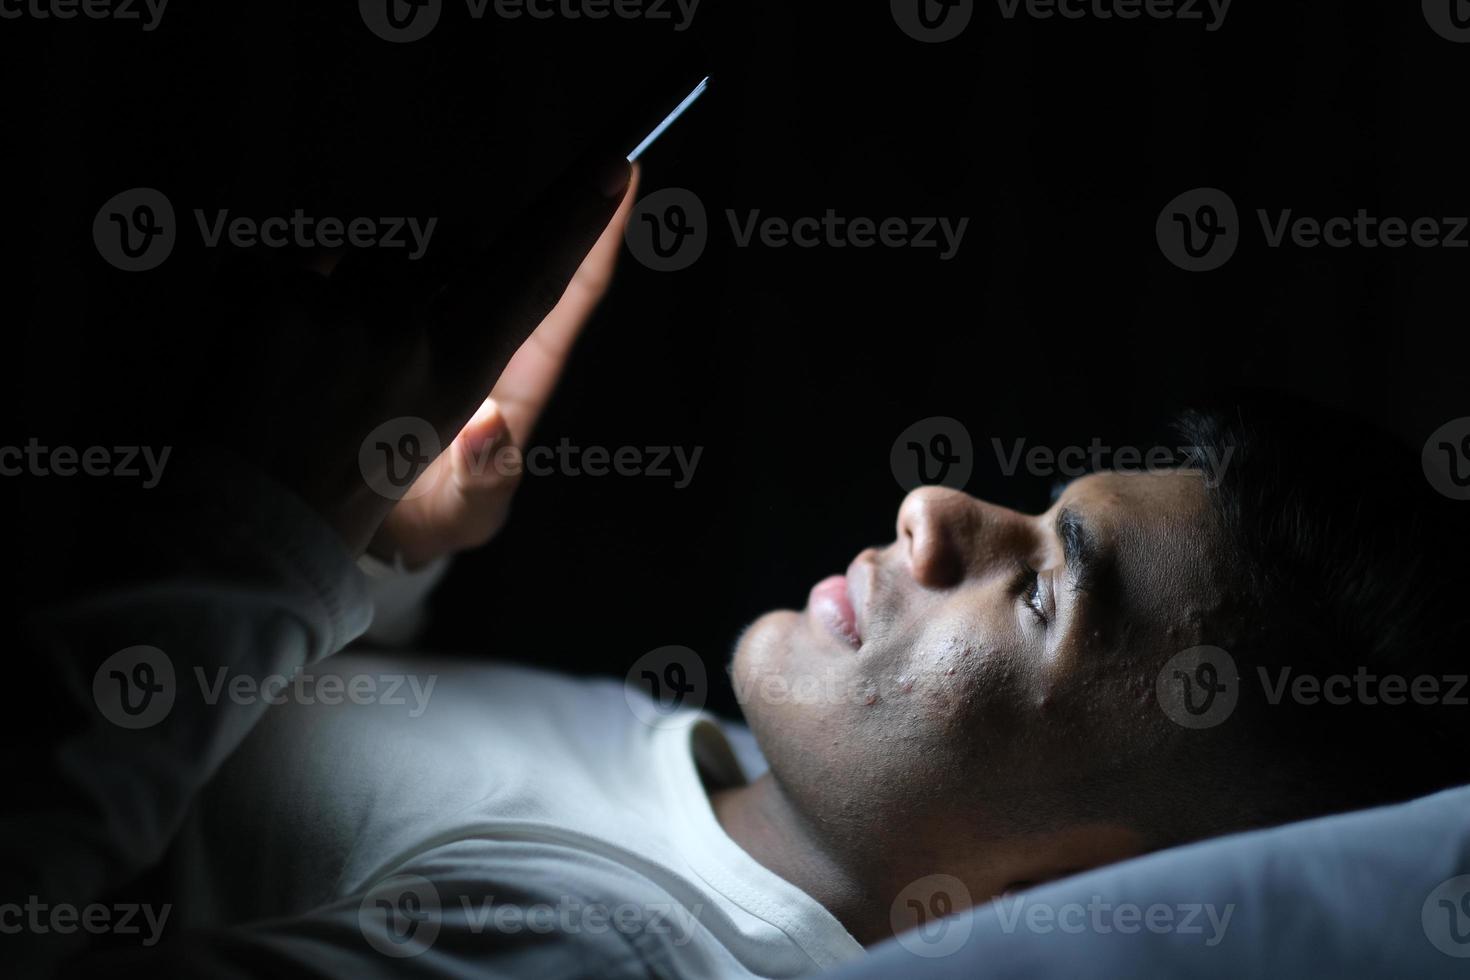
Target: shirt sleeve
<point>235,586</point>
<point>400,598</point>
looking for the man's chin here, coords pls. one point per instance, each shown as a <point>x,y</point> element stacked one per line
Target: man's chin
<point>762,652</point>
<point>784,674</point>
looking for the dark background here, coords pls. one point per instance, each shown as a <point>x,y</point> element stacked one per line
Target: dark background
<point>1059,321</point>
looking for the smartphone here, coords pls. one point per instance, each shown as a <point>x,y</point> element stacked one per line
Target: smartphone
<point>651,108</point>
<point>670,119</point>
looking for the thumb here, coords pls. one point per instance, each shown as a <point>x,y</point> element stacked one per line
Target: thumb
<point>484,435</point>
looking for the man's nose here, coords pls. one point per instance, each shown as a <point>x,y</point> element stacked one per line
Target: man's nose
<point>934,525</point>
<point>945,535</point>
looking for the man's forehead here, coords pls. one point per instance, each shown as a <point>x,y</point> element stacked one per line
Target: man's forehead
<point>1152,525</point>
<point>1167,493</point>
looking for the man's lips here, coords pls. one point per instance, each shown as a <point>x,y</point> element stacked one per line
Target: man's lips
<point>830,605</point>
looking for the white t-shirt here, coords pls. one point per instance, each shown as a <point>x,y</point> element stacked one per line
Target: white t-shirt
<point>454,819</point>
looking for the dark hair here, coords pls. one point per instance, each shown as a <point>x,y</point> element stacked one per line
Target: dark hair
<point>1343,560</point>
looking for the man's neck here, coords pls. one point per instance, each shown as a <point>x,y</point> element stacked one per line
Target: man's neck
<point>857,883</point>
<point>760,818</point>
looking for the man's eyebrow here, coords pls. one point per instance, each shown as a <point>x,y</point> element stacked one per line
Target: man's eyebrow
<point>1081,549</point>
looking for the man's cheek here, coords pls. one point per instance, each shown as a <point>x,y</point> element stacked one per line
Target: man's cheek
<point>957,670</point>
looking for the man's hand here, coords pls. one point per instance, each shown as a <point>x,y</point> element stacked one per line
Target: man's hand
<point>464,497</point>
<point>315,358</point>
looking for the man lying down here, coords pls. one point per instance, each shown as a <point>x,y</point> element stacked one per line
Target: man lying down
<point>989,698</point>
<point>992,700</point>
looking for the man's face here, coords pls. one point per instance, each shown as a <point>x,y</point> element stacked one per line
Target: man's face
<point>969,682</point>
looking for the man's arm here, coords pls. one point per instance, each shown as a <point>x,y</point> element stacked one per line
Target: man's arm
<point>240,587</point>
<point>476,907</point>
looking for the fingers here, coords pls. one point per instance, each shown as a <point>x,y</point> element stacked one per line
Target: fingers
<point>468,303</point>
<point>460,501</point>
<point>590,283</point>
<point>469,489</point>
<point>530,377</point>
<point>482,487</point>
<point>595,273</point>
<point>484,435</point>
